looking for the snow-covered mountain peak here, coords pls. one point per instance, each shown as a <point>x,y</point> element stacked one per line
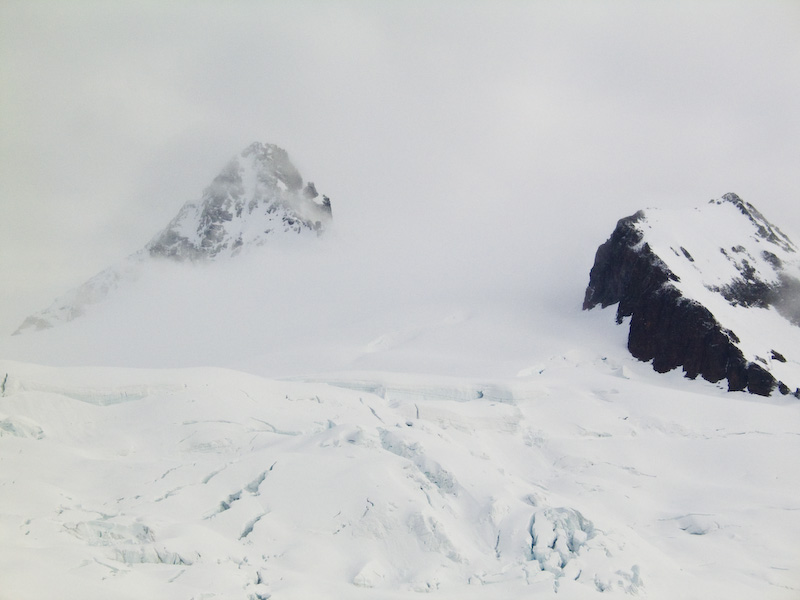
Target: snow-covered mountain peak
<point>718,246</point>
<point>710,289</point>
<point>764,229</point>
<point>257,196</point>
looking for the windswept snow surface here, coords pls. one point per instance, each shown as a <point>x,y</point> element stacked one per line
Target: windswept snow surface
<point>586,474</point>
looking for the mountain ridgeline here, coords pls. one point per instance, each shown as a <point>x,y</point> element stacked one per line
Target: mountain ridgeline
<point>714,290</point>
<point>257,199</point>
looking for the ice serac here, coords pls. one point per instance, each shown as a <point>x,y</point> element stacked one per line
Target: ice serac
<point>714,290</point>
<point>257,198</point>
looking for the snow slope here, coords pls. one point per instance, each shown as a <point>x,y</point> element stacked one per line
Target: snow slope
<point>588,474</point>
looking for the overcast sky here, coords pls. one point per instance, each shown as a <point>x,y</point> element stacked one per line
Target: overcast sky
<point>471,125</point>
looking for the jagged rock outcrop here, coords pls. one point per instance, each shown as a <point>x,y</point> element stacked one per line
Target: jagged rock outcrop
<point>713,290</point>
<point>257,198</point>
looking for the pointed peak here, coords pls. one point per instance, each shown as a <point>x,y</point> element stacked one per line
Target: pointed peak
<point>764,228</point>
<point>271,161</point>
<point>265,151</point>
<point>732,198</point>
<point>259,195</point>
<point>257,198</point>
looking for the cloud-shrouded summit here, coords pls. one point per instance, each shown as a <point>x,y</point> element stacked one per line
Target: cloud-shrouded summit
<point>713,290</point>
<point>259,197</point>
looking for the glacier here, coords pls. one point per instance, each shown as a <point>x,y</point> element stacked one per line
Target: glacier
<point>583,479</point>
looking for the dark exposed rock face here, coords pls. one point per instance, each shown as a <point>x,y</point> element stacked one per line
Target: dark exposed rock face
<point>673,329</point>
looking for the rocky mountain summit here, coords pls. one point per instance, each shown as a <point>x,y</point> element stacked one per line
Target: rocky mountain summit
<point>258,195</point>
<point>257,198</point>
<point>714,290</point>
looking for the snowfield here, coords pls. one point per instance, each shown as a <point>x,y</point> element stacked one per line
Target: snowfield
<point>585,474</point>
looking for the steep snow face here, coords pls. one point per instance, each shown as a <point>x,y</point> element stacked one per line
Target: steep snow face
<point>257,196</point>
<point>722,265</point>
